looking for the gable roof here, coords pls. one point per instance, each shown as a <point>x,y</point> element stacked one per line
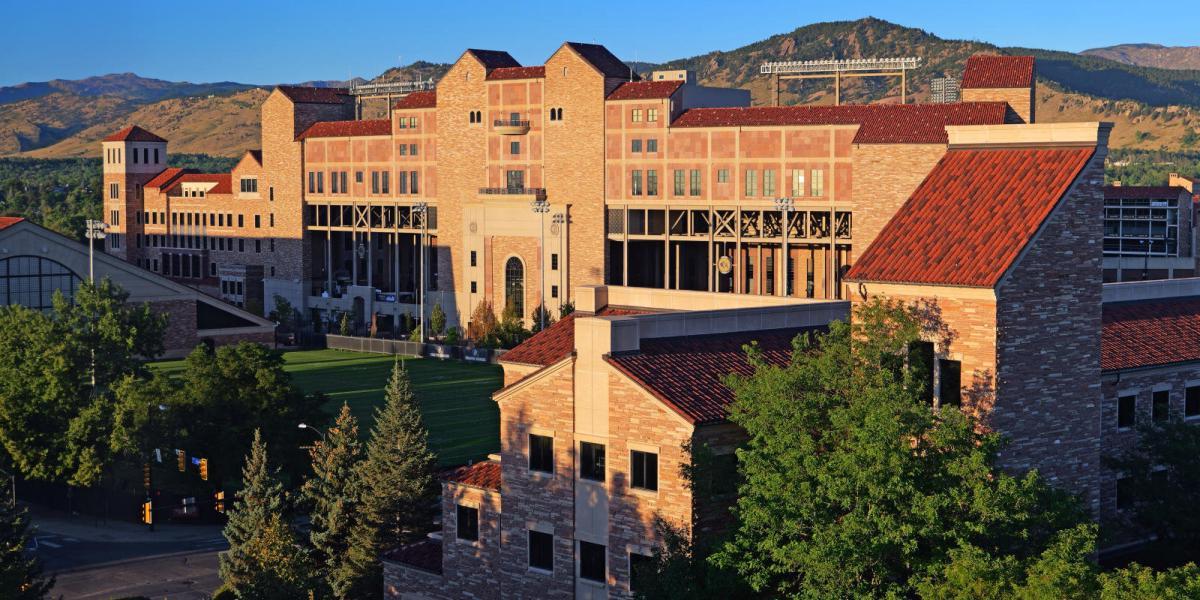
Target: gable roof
<point>302,94</point>
<point>645,90</point>
<point>347,129</point>
<point>985,71</point>
<point>517,73</point>
<point>1150,333</point>
<point>685,373</point>
<point>133,133</point>
<point>1142,192</point>
<point>494,59</point>
<point>555,342</point>
<point>425,99</point>
<point>256,155</point>
<point>223,181</point>
<point>6,222</point>
<point>878,123</point>
<point>968,221</point>
<point>604,61</point>
<point>483,474</point>
<point>166,177</point>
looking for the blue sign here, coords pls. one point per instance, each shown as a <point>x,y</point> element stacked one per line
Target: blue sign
<point>196,460</point>
<point>381,297</point>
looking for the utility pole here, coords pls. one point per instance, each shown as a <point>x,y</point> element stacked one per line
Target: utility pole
<point>96,230</point>
<point>541,206</point>
<point>785,206</point>
<point>560,219</point>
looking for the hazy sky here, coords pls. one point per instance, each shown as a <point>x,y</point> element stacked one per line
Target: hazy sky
<point>272,42</point>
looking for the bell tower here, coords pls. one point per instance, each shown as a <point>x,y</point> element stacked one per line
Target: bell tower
<point>131,158</point>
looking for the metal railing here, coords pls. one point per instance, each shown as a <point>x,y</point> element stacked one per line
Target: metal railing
<point>510,123</point>
<point>393,87</point>
<point>842,66</point>
<point>512,191</point>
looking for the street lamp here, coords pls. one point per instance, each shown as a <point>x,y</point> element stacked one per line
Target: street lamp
<point>541,206</point>
<point>784,205</point>
<point>422,209</point>
<point>307,426</point>
<point>96,230</point>
<point>560,220</point>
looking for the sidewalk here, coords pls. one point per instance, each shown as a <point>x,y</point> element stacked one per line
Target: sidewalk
<point>88,528</point>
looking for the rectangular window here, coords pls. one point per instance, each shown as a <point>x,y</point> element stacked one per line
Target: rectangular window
<point>473,288</point>
<point>678,182</point>
<point>412,149</point>
<point>818,182</point>
<point>592,562</point>
<point>541,453</point>
<point>514,148</point>
<point>412,182</point>
<point>797,182</point>
<point>637,115</point>
<point>412,122</point>
<point>1126,411</point>
<point>769,183</point>
<point>751,182</point>
<point>695,183</point>
<point>384,182</point>
<point>258,221</point>
<point>554,261</point>
<point>1191,407</point>
<point>473,258</point>
<point>358,177</point>
<point>312,182</point>
<point>554,291</point>
<point>402,182</point>
<point>1124,492</point>
<point>635,146</point>
<point>652,145</point>
<point>591,464</point>
<point>541,551</point>
<point>345,188</point>
<point>641,570</point>
<point>241,220</point>
<point>645,470</point>
<point>949,382</point>
<point>652,115</point>
<point>468,523</point>
<point>651,182</point>
<point>403,149</point>
<point>258,245</point>
<point>1161,407</point>
<point>722,175</point>
<point>374,182</point>
<point>637,182</point>
<point>114,190</point>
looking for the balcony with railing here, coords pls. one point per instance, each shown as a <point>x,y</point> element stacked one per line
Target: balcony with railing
<point>512,126</point>
<point>513,191</point>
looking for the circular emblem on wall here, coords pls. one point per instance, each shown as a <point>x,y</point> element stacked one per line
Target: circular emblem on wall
<point>555,228</point>
<point>474,227</point>
<point>724,265</point>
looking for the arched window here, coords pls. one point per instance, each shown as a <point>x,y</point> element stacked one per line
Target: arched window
<point>32,280</point>
<point>514,286</point>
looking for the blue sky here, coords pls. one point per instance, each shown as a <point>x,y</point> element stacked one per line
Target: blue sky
<point>271,42</point>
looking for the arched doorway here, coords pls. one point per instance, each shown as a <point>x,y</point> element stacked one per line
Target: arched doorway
<point>514,286</point>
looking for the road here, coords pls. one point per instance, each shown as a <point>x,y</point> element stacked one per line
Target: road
<point>190,576</point>
<point>66,553</point>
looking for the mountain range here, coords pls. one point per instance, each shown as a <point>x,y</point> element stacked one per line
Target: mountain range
<point>1154,105</point>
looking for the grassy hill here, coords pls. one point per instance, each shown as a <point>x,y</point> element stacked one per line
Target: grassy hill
<point>1150,55</point>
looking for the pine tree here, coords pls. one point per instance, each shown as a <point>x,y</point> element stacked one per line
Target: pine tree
<point>398,486</point>
<point>20,573</point>
<point>332,495</point>
<point>283,565</point>
<point>260,502</point>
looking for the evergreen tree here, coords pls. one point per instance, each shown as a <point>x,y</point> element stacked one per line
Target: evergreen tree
<point>258,507</point>
<point>283,566</point>
<point>20,573</point>
<point>331,495</point>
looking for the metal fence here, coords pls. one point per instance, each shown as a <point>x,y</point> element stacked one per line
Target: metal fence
<point>407,348</point>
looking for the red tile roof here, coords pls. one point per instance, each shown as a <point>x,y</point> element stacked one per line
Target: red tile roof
<point>483,474</point>
<point>554,343</point>
<point>983,71</point>
<point>517,73</point>
<point>645,90</point>
<point>604,61</point>
<point>971,217</point>
<point>133,133</point>
<point>427,99</point>
<point>223,181</point>
<point>878,123</point>
<point>1123,192</point>
<point>494,59</point>
<point>166,177</point>
<point>685,373</point>
<point>347,129</point>
<point>1150,333</point>
<point>425,555</point>
<point>6,222</point>
<point>314,95</point>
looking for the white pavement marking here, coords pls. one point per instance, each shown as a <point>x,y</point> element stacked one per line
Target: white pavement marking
<point>49,544</point>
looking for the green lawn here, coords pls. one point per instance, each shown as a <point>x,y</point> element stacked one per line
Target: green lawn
<point>463,422</point>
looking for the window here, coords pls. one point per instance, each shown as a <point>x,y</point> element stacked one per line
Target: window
<point>769,183</point>
<point>949,382</point>
<point>818,182</point>
<point>652,115</point>
<point>514,148</point>
<point>637,182</point>
<point>249,185</point>
<point>401,123</point>
<point>554,291</point>
<point>1124,492</point>
<point>695,183</point>
<point>384,180</point>
<point>641,570</point>
<point>797,182</point>
<point>473,258</point>
<point>751,182</point>
<point>241,220</point>
<point>473,289</point>
<point>651,182</point>
<point>271,190</point>
<point>637,115</point>
<point>272,219</point>
<point>722,175</point>
<point>514,285</point>
<point>514,179</point>
<point>358,177</point>
<point>312,181</point>
<point>374,182</point>
<point>333,182</point>
<point>412,122</point>
<point>554,261</point>
<point>678,182</point>
<point>1161,405</point>
<point>156,156</point>
<point>135,156</point>
<point>652,145</point>
<point>114,190</point>
<point>1126,411</point>
<point>920,365</point>
<point>258,221</point>
<point>258,245</point>
<point>320,182</point>
<point>1191,406</point>
<point>541,551</point>
<point>635,146</point>
<point>644,467</point>
<point>592,562</point>
<point>412,149</point>
<point>591,464</point>
<point>541,453</point>
<point>412,182</point>
<point>468,523</point>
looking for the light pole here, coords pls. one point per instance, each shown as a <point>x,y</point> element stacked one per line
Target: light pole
<point>560,220</point>
<point>307,426</point>
<point>422,209</point>
<point>784,205</point>
<point>96,230</point>
<point>541,206</point>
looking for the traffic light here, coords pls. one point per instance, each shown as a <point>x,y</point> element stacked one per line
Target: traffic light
<point>181,457</point>
<point>204,469</point>
<point>146,475</point>
<point>148,512</point>
<point>219,501</point>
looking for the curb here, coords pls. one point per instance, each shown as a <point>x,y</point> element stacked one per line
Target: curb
<point>125,561</point>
